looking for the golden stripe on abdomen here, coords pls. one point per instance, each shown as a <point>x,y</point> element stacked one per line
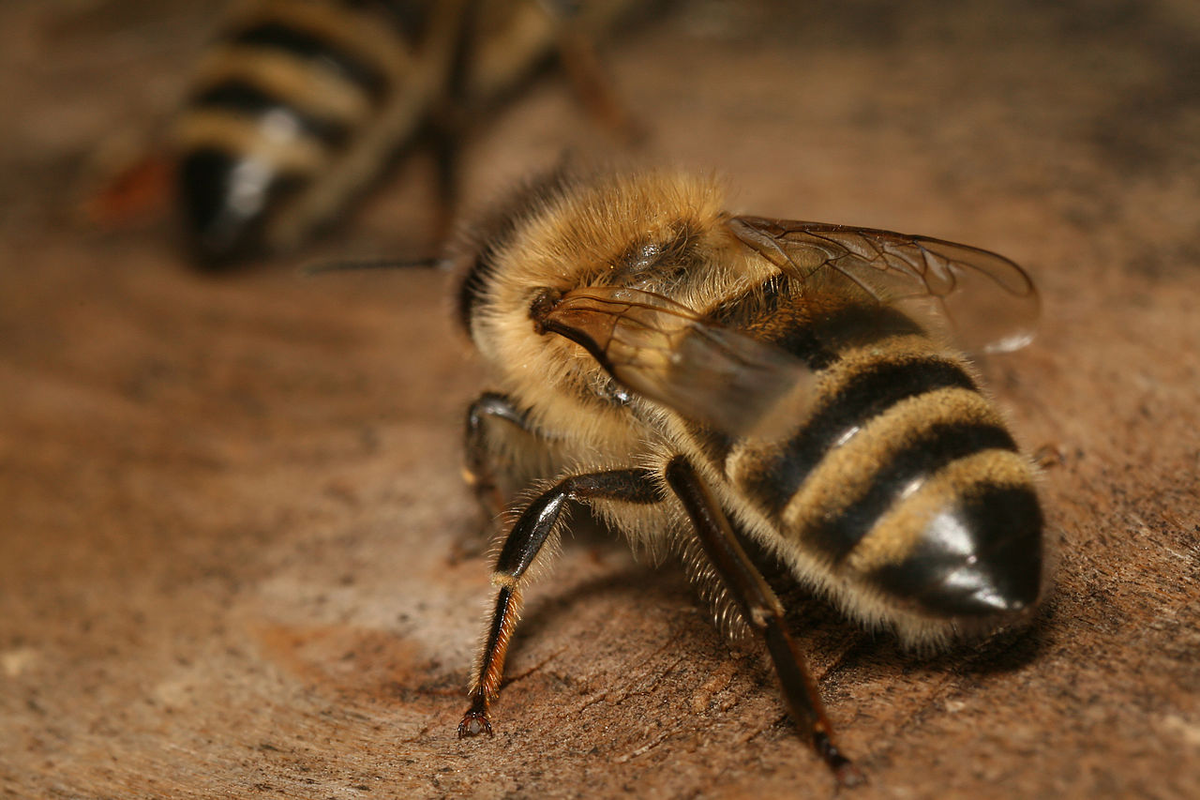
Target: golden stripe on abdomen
<point>860,480</point>
<point>302,44</point>
<point>834,536</point>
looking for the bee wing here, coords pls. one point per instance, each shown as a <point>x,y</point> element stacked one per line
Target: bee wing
<point>667,353</point>
<point>988,302</point>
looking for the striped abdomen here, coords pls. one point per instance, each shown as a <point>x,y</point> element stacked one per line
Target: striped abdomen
<point>281,125</point>
<point>903,480</point>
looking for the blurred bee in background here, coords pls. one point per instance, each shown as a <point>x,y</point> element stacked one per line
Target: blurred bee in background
<point>301,106</point>
<point>697,379</point>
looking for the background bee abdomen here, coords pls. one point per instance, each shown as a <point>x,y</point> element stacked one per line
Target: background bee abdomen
<point>249,150</point>
<point>276,102</point>
<point>278,117</point>
<point>353,67</point>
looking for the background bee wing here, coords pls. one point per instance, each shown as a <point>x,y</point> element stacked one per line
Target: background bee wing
<point>667,353</point>
<point>988,303</point>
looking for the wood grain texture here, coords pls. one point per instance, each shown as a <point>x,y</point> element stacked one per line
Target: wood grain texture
<point>230,508</point>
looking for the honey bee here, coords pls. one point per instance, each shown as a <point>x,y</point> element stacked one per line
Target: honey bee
<point>302,105</point>
<point>698,379</point>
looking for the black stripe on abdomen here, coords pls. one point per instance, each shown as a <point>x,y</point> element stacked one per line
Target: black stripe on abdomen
<point>814,334</point>
<point>302,44</point>
<point>869,393</point>
<point>819,342</point>
<point>247,100</point>
<point>935,448</point>
<point>209,178</point>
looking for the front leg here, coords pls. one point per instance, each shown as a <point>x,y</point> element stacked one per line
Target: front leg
<point>532,529</point>
<point>479,470</point>
<point>762,610</point>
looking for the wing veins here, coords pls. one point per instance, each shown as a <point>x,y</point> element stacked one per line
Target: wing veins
<point>988,302</point>
<point>721,376</point>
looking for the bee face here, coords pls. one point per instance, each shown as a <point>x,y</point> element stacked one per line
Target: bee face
<point>570,232</point>
<point>696,377</point>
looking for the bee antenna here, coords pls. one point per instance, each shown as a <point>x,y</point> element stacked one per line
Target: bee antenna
<point>429,262</point>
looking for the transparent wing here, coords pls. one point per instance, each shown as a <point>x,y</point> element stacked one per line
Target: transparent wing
<point>665,352</point>
<point>988,303</point>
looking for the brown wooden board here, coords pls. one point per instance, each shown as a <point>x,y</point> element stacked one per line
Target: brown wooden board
<point>231,515</point>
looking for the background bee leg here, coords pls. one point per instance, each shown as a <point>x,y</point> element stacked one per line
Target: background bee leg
<point>446,149</point>
<point>589,79</point>
<point>535,525</point>
<point>449,118</point>
<point>761,610</point>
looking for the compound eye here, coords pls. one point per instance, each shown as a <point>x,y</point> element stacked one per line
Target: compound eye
<point>636,265</point>
<point>659,259</point>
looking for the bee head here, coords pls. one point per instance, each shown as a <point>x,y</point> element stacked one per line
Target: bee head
<point>570,231</point>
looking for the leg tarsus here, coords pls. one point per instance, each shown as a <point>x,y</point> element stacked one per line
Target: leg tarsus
<point>476,720</point>
<point>843,768</point>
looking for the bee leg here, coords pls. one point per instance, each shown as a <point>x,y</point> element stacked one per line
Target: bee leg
<point>446,155</point>
<point>762,610</point>
<point>478,471</point>
<point>448,118</point>
<point>532,529</point>
<point>1049,456</point>
<point>577,53</point>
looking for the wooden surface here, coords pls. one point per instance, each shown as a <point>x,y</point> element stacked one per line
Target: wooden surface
<point>230,507</point>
